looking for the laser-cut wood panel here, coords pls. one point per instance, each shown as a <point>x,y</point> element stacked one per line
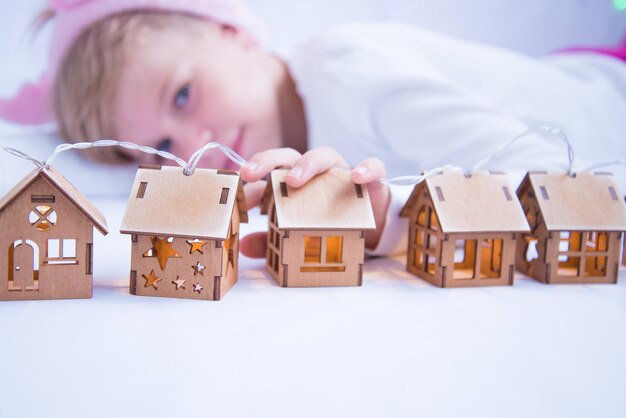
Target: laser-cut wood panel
<point>210,205</point>
<point>46,239</point>
<point>463,230</point>
<point>579,226</point>
<point>316,233</point>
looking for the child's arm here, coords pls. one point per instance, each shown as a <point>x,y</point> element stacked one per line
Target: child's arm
<point>306,166</point>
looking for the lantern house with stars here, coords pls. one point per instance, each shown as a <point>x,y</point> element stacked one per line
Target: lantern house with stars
<point>184,232</point>
<point>46,239</point>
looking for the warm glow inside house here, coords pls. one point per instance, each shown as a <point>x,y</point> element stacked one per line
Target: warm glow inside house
<point>46,239</point>
<point>577,224</point>
<point>316,234</point>
<point>184,232</point>
<point>463,230</point>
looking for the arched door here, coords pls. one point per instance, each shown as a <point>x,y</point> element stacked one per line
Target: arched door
<point>23,265</point>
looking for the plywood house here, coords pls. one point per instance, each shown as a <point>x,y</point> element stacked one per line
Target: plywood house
<point>577,224</point>
<point>184,232</point>
<point>316,233</point>
<point>463,230</point>
<point>46,239</point>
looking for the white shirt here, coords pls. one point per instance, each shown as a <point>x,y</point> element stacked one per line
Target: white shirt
<point>418,99</point>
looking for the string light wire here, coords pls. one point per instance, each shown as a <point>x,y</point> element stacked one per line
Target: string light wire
<point>190,165</point>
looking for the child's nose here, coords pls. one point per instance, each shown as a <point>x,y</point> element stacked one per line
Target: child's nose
<point>196,139</point>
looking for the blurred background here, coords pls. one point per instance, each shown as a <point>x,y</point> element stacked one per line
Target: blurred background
<point>530,26</point>
<point>534,27</point>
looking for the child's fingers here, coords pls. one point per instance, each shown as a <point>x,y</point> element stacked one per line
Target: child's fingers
<point>254,193</point>
<point>312,163</point>
<point>263,162</point>
<point>254,245</point>
<point>368,171</point>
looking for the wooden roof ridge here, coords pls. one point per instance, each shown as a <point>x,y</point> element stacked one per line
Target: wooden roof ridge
<point>482,202</point>
<point>330,200</point>
<point>63,186</point>
<point>586,201</point>
<point>165,201</point>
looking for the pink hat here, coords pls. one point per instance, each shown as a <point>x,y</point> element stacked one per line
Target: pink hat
<point>32,103</point>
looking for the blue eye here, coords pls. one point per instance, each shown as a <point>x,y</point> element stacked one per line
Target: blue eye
<point>165,145</point>
<point>182,96</point>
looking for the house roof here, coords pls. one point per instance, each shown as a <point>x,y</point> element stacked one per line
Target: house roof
<point>588,201</point>
<point>327,201</point>
<point>65,187</point>
<point>174,204</point>
<point>484,202</point>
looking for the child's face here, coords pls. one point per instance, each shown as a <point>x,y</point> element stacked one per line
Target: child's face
<point>180,89</point>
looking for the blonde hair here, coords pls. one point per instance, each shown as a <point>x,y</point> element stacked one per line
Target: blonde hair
<point>84,88</point>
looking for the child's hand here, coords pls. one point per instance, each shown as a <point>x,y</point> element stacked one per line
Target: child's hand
<point>305,167</point>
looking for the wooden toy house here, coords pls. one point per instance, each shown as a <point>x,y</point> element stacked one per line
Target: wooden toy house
<point>316,234</point>
<point>577,224</point>
<point>184,232</point>
<point>46,239</point>
<point>463,230</point>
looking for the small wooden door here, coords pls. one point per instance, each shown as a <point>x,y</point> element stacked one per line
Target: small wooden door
<point>23,266</point>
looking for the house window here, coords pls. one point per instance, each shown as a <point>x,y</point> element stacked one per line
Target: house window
<point>333,252</point>
<point>273,249</point>
<point>42,217</point>
<point>312,249</point>
<point>334,249</point>
<point>61,251</point>
<point>592,247</point>
<point>597,251</point>
<point>426,242</point>
<point>472,261</point>
<point>569,253</point>
<point>464,259</point>
<point>490,258</point>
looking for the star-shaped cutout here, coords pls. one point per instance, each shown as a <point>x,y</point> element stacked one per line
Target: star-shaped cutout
<point>198,268</point>
<point>197,287</point>
<point>179,282</point>
<point>163,250</point>
<point>151,279</point>
<point>196,245</point>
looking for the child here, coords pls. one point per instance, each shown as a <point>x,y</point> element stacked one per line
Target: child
<point>174,76</point>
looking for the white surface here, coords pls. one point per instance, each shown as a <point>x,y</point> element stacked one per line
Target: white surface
<point>395,347</point>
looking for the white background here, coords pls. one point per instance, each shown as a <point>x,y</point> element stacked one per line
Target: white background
<point>395,347</point>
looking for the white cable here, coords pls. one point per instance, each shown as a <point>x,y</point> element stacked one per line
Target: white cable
<point>20,154</point>
<point>111,143</point>
<point>595,166</point>
<point>188,167</point>
<point>540,129</point>
<point>196,156</point>
<point>410,180</point>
